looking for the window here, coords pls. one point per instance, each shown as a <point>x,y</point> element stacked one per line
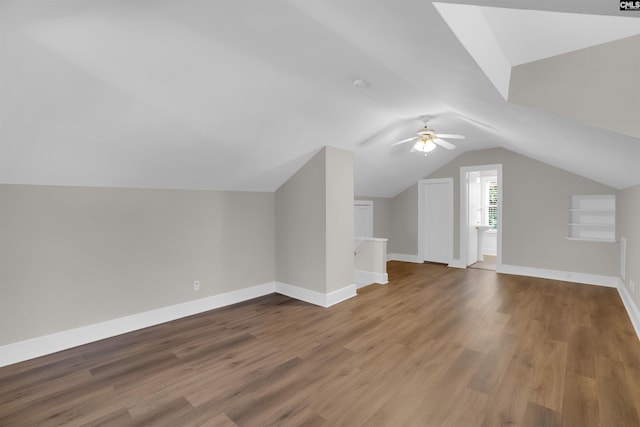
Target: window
<point>489,197</point>
<point>492,203</point>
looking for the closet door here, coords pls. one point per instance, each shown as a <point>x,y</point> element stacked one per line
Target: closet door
<point>437,220</point>
<point>363,218</point>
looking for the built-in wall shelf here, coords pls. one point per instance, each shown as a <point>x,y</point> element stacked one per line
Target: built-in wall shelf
<point>590,225</point>
<point>592,211</point>
<point>591,239</point>
<point>593,218</point>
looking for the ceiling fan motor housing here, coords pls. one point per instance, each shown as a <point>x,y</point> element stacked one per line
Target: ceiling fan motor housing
<point>426,132</point>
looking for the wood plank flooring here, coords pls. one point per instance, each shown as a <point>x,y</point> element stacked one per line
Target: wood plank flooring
<point>489,263</point>
<point>435,347</point>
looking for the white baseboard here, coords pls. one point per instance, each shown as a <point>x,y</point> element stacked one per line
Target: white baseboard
<point>40,346</point>
<point>567,276</point>
<point>340,295</point>
<point>35,347</point>
<point>589,279</point>
<point>405,258</point>
<point>491,252</point>
<point>302,294</point>
<point>632,308</point>
<point>364,278</point>
<point>456,263</point>
<point>315,297</point>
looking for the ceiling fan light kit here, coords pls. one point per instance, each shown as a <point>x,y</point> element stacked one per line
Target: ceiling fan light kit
<point>426,139</point>
<point>425,145</point>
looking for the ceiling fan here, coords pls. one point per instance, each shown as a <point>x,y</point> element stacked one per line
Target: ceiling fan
<point>426,138</point>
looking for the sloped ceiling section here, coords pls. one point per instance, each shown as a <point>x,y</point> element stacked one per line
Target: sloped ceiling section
<point>596,85</point>
<point>577,65</point>
<point>238,94</point>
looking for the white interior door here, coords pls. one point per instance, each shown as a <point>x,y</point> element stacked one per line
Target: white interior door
<point>363,219</point>
<point>437,220</point>
<point>474,195</point>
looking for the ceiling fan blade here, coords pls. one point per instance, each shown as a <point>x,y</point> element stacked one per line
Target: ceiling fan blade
<point>444,144</point>
<point>404,141</point>
<point>474,121</point>
<point>450,135</point>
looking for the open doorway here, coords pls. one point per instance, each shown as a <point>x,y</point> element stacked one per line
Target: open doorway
<point>481,216</point>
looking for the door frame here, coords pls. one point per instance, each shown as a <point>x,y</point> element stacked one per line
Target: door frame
<point>421,229</point>
<point>464,212</point>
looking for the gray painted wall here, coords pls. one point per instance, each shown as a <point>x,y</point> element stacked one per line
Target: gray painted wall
<point>75,256</point>
<point>339,218</point>
<point>300,212</point>
<point>628,226</point>
<point>535,215</point>
<point>596,85</point>
<point>404,222</point>
<point>314,224</point>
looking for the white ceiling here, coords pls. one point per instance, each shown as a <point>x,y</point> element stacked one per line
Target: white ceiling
<point>530,35</point>
<point>501,38</point>
<point>238,94</point>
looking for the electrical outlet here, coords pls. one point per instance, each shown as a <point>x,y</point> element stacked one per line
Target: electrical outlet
<point>196,285</point>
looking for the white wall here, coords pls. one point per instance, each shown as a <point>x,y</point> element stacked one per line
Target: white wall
<point>371,255</point>
<point>489,243</point>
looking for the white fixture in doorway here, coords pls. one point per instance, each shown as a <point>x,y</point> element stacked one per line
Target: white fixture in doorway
<point>472,219</point>
<point>481,229</point>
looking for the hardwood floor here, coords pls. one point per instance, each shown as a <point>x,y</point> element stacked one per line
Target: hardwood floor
<point>435,347</point>
<point>489,263</point>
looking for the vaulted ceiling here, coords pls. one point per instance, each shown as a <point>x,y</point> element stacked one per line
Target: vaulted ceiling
<point>238,94</point>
